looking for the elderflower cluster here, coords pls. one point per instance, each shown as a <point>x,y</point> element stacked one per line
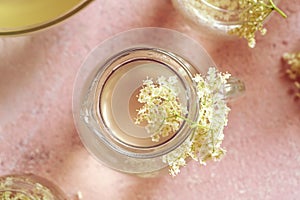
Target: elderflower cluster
<point>205,143</point>
<point>207,133</point>
<point>253,19</point>
<point>161,107</point>
<point>213,116</point>
<point>293,60</point>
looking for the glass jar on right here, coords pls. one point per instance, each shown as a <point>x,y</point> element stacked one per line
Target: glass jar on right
<point>216,17</point>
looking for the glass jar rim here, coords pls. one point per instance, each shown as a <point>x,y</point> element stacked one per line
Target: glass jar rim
<point>85,123</point>
<point>236,12</point>
<point>207,3</point>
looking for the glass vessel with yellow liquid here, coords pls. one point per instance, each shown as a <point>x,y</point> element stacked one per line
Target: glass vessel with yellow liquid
<point>19,16</point>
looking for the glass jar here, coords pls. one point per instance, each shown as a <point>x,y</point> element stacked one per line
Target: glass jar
<point>104,98</point>
<point>28,187</point>
<point>20,17</point>
<point>212,17</point>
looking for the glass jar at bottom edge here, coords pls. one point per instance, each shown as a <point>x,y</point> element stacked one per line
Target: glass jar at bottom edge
<point>29,187</point>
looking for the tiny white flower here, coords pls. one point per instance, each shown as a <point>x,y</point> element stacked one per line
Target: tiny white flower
<point>172,80</point>
<point>197,78</point>
<point>161,80</point>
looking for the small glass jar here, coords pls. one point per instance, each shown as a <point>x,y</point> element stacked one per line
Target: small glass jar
<point>106,88</point>
<point>28,187</point>
<point>212,17</point>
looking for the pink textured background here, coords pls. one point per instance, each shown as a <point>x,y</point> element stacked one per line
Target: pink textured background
<point>37,132</point>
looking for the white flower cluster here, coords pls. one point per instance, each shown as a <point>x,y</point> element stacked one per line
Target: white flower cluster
<point>293,60</point>
<point>253,19</point>
<point>205,142</point>
<point>164,114</point>
<point>161,107</point>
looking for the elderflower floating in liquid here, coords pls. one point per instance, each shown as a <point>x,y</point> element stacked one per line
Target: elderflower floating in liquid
<point>161,109</point>
<point>164,114</point>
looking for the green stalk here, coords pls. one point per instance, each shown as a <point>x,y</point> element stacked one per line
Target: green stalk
<point>274,7</point>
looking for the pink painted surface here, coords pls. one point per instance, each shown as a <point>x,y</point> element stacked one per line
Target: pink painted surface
<point>37,132</point>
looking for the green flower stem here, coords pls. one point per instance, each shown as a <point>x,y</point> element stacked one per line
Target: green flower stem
<point>274,7</point>
<point>193,124</point>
